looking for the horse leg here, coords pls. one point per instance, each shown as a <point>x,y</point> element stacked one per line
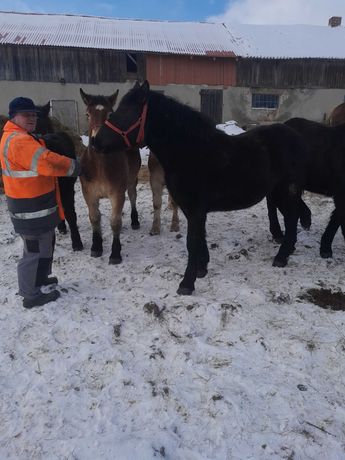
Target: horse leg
<point>328,236</point>
<point>157,184</point>
<point>175,222</point>
<point>62,227</point>
<point>134,162</point>
<point>203,260</point>
<point>288,206</point>
<point>304,215</point>
<point>275,229</point>
<point>196,243</point>
<point>71,218</point>
<point>95,220</point>
<point>67,199</point>
<point>117,201</point>
<point>339,214</point>
<point>132,195</point>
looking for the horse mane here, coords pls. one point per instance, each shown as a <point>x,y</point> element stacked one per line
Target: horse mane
<point>179,117</point>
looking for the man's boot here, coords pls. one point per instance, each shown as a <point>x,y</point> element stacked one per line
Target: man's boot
<point>41,299</point>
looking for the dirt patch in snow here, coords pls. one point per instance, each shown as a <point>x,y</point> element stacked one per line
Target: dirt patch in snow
<point>325,298</point>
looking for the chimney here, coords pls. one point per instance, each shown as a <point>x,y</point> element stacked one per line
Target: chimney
<point>334,21</point>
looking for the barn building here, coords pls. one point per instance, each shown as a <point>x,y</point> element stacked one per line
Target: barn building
<point>253,74</point>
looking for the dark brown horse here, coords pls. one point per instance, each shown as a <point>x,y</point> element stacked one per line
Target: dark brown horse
<point>337,116</point>
<point>206,170</point>
<point>61,142</point>
<point>325,175</point>
<point>108,176</point>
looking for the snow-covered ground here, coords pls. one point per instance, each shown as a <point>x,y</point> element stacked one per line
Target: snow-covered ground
<point>122,368</point>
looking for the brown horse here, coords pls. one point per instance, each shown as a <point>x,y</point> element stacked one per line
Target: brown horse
<point>107,177</point>
<point>157,183</point>
<point>337,116</point>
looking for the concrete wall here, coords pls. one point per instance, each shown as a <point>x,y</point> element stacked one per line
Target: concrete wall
<point>314,104</point>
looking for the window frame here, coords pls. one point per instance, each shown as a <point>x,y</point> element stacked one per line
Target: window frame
<point>266,101</point>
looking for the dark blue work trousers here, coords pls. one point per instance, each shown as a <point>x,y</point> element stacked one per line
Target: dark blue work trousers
<point>36,264</point>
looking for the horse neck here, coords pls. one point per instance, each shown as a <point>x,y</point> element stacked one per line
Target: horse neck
<point>169,120</point>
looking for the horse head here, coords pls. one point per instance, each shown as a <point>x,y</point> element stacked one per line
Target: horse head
<point>124,128</point>
<point>98,109</point>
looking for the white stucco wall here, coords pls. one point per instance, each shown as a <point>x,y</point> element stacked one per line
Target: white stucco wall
<point>314,104</point>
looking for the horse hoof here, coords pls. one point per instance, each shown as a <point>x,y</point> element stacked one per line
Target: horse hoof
<point>201,272</point>
<point>278,239</point>
<point>184,291</point>
<point>306,223</point>
<point>154,232</point>
<point>78,247</point>
<point>292,250</point>
<point>115,260</point>
<point>279,263</point>
<point>135,226</point>
<point>175,228</point>
<point>96,253</point>
<point>326,254</point>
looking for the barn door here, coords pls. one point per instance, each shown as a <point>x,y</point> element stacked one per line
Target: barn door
<point>66,112</point>
<point>211,104</point>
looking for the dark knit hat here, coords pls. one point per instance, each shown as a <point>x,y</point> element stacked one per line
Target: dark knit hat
<point>21,104</point>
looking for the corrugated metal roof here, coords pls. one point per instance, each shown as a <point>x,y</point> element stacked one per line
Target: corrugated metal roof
<point>188,38</point>
<point>193,38</point>
<point>288,41</point>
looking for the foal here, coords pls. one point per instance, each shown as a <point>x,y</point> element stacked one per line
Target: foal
<point>107,176</point>
<point>157,183</point>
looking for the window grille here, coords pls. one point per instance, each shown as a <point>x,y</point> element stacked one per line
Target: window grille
<point>265,101</point>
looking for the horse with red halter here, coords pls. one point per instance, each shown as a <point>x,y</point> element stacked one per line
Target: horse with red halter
<point>206,170</point>
<point>108,176</point>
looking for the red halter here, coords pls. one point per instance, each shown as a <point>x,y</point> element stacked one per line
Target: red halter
<point>140,122</point>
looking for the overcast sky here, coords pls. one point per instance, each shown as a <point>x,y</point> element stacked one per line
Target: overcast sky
<point>242,11</point>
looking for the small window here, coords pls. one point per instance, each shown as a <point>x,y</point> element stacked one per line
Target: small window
<point>131,63</point>
<point>265,101</point>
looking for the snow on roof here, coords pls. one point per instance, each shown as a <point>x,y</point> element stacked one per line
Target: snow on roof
<point>191,38</point>
<point>288,41</point>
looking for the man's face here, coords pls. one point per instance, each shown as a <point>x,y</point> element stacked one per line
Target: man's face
<point>26,120</point>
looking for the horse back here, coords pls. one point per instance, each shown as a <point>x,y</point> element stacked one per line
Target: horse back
<point>239,171</point>
<point>326,153</point>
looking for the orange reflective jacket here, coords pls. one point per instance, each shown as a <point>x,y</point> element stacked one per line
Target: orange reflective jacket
<point>30,172</point>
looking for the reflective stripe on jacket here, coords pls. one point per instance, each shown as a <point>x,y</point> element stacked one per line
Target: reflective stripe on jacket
<point>30,174</point>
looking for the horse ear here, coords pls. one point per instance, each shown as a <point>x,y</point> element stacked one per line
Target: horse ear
<point>112,99</point>
<point>45,109</point>
<point>85,97</point>
<point>145,88</point>
<point>137,85</point>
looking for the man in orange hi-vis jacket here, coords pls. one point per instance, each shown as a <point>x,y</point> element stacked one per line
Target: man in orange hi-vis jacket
<point>30,172</point>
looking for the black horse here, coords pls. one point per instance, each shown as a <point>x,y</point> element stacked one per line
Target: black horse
<point>325,175</point>
<point>207,170</point>
<point>62,143</point>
